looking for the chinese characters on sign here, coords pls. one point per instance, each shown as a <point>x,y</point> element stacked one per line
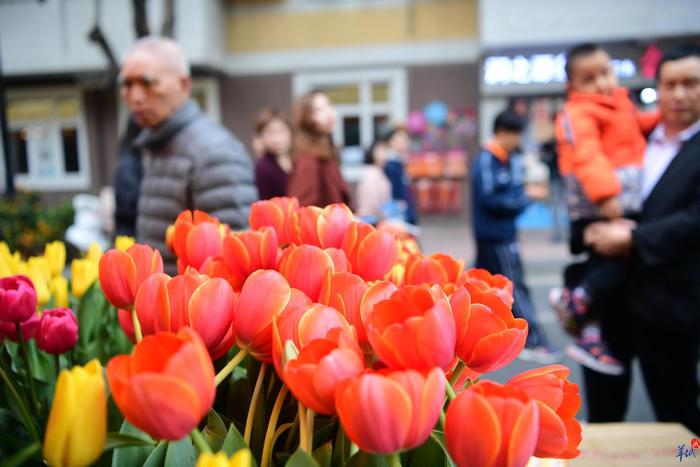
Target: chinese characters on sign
<point>540,69</point>
<point>687,452</point>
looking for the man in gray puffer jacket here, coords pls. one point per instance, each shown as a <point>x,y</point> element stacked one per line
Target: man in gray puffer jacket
<point>189,161</point>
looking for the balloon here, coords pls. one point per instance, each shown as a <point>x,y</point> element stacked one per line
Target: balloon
<point>436,113</point>
<point>416,123</point>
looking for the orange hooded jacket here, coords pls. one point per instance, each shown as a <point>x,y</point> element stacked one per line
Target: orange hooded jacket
<point>596,134</point>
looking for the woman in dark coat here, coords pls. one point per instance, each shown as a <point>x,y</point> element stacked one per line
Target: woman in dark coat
<point>272,168</point>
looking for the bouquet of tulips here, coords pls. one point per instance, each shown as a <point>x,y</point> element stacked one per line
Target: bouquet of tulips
<point>310,340</point>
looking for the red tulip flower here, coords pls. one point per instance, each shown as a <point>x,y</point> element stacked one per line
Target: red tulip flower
<point>191,300</point>
<point>306,267</point>
<point>344,292</point>
<point>320,366</point>
<point>332,224</point>
<point>490,424</point>
<point>246,252</point>
<point>413,330</point>
<point>275,213</point>
<point>371,253</point>
<point>166,385</point>
<point>488,336</point>
<point>435,269</point>
<point>265,295</point>
<point>559,401</point>
<point>196,238</point>
<point>481,281</point>
<point>58,331</point>
<point>17,299</point>
<point>377,292</point>
<point>29,328</point>
<point>390,412</point>
<point>123,272</point>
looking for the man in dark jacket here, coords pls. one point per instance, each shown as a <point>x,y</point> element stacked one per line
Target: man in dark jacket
<point>189,161</point>
<point>127,182</point>
<point>659,321</point>
<point>498,198</point>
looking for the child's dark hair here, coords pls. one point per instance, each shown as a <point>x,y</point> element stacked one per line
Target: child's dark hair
<point>369,154</point>
<point>678,52</point>
<point>579,51</point>
<point>508,121</point>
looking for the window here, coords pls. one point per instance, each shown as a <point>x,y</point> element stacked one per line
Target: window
<point>47,141</point>
<point>367,102</point>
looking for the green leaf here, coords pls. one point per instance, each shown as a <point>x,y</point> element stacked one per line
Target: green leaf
<point>301,459</point>
<point>364,459</point>
<point>215,431</point>
<point>439,437</point>
<point>119,440</point>
<point>233,441</point>
<point>22,456</point>
<point>135,455</point>
<point>430,453</point>
<point>157,457</point>
<point>181,453</point>
<point>341,448</point>
<point>324,454</point>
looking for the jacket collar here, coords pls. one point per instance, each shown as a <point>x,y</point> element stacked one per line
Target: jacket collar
<point>497,150</point>
<point>619,95</point>
<point>155,138</point>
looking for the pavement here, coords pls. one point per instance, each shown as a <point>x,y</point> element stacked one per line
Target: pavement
<point>543,261</point>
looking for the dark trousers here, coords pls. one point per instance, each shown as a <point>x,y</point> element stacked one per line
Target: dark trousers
<point>504,258</point>
<point>669,361</point>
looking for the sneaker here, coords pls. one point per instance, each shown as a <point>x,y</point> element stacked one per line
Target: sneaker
<point>543,354</point>
<point>560,301</point>
<point>592,352</point>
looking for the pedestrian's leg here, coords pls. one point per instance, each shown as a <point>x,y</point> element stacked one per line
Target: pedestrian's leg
<point>606,396</point>
<point>487,257</point>
<point>670,369</point>
<point>511,265</point>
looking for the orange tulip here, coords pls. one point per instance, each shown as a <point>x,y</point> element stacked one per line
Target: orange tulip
<point>480,281</point>
<point>265,295</point>
<point>414,330</point>
<point>377,292</point>
<point>371,253</point>
<point>332,224</point>
<point>122,273</point>
<point>275,213</point>
<point>306,267</point>
<point>559,401</point>
<point>490,424</point>
<point>320,366</point>
<point>284,325</point>
<point>344,292</point>
<point>390,412</point>
<point>205,304</point>
<point>197,237</point>
<point>434,269</point>
<point>303,227</point>
<point>488,336</point>
<point>245,252</point>
<point>340,261</point>
<point>166,385</point>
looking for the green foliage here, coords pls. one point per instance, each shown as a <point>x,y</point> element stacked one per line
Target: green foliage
<point>27,224</point>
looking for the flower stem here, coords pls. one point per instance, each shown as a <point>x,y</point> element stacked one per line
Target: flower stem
<point>199,440</point>
<point>254,404</point>
<point>28,422</point>
<point>57,364</point>
<point>302,427</point>
<point>310,429</point>
<point>442,419</point>
<point>457,373</point>
<point>271,426</point>
<point>28,370</point>
<point>137,326</point>
<point>450,392</point>
<point>394,460</point>
<point>230,366</point>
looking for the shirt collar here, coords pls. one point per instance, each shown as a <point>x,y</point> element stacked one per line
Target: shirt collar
<point>658,136</point>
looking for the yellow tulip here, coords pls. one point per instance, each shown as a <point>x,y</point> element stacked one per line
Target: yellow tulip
<point>94,252</point>
<point>241,458</point>
<point>83,272</point>
<point>123,242</point>
<point>43,294</point>
<point>39,267</point>
<point>55,253</point>
<point>59,290</point>
<point>5,266</point>
<point>77,426</point>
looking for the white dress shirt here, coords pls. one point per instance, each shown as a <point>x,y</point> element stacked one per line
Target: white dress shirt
<point>660,152</point>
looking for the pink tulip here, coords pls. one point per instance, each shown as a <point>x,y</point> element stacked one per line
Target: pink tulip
<point>17,299</point>
<point>58,331</point>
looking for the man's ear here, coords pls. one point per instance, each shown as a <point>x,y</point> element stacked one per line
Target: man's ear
<point>186,84</point>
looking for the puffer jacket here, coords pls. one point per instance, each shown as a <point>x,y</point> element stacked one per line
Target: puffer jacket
<point>190,162</point>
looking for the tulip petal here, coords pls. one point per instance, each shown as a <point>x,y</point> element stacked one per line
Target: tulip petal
<point>376,255</point>
<point>472,430</point>
<point>523,437</point>
<point>552,439</point>
<point>332,224</point>
<point>264,295</point>
<point>118,276</point>
<point>203,241</point>
<point>211,310</point>
<point>306,267</point>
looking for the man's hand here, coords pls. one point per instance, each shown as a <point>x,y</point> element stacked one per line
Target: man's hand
<point>612,238</point>
<point>537,191</point>
<point>611,208</point>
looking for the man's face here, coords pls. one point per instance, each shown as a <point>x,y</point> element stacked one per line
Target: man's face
<point>152,90</point>
<point>510,140</point>
<point>679,92</point>
<point>593,74</point>
<point>400,142</point>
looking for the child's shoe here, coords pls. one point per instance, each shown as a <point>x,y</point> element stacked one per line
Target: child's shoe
<point>592,352</point>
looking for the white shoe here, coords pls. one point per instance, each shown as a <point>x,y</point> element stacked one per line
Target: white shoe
<point>544,355</point>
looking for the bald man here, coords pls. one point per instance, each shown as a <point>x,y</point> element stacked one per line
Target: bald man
<point>189,162</point>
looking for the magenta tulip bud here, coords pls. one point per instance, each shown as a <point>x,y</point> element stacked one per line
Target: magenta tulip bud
<point>29,328</point>
<point>58,331</point>
<point>17,299</point>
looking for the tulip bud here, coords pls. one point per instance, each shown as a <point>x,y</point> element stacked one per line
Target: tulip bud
<point>83,274</point>
<point>94,252</point>
<point>55,254</point>
<point>77,426</point>
<point>59,290</point>
<point>123,242</point>
<point>17,299</point>
<point>58,331</point>
<point>241,458</point>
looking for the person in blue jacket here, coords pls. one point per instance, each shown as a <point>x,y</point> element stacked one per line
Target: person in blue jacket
<point>394,168</point>
<point>499,196</point>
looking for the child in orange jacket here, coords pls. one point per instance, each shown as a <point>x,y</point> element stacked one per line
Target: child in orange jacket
<point>601,142</point>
